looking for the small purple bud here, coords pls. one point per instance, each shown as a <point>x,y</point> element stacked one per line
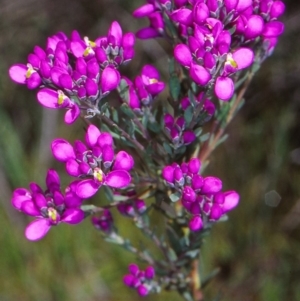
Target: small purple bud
<point>178,176</point>
<point>224,88</point>
<point>110,79</point>
<point>188,137</point>
<point>140,206</point>
<point>128,280</point>
<point>168,174</point>
<point>144,11</point>
<point>194,165</point>
<point>216,212</point>
<point>150,272</point>
<point>196,223</point>
<point>231,200</point>
<point>199,75</point>
<point>133,269</point>
<point>195,208</point>
<point>197,182</point>
<point>277,9</point>
<point>211,185</point>
<point>142,290</point>
<point>219,198</point>
<point>183,56</point>
<point>188,194</point>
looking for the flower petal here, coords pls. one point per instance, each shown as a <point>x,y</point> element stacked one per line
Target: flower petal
<point>224,88</point>
<point>62,150</point>
<point>243,57</point>
<point>231,200</point>
<point>17,73</point>
<point>37,229</point>
<point>73,216</point>
<point>183,55</point>
<point>29,208</point>
<point>72,114</point>
<point>19,196</point>
<point>199,74</point>
<point>211,185</point>
<point>87,188</point>
<point>48,98</point>
<point>123,161</point>
<point>118,179</point>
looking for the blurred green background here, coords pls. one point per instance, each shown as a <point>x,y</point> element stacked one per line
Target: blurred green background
<point>257,251</point>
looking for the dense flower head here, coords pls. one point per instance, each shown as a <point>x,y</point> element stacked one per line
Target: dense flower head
<point>141,280</point>
<point>202,197</point>
<point>245,19</point>
<point>76,73</point>
<point>144,88</point>
<point>94,162</point>
<point>50,207</point>
<point>177,132</point>
<point>218,36</point>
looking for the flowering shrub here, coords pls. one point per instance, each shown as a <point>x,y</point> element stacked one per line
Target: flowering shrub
<point>146,152</point>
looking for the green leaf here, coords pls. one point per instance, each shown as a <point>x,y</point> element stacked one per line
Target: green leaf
<point>115,115</point>
<point>127,111</point>
<point>174,240</point>
<point>188,115</point>
<point>167,148</point>
<point>174,197</point>
<point>108,193</point>
<point>193,253</point>
<point>174,85</point>
<point>123,90</point>
<point>198,131</point>
<point>120,198</point>
<point>204,137</point>
<point>154,127</point>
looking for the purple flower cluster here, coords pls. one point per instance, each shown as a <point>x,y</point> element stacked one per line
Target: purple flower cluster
<point>132,208</point>
<point>95,162</point>
<point>146,86</point>
<point>177,132</point>
<point>208,106</point>
<point>140,280</point>
<point>201,196</point>
<point>49,207</point>
<point>104,222</point>
<point>76,73</point>
<point>215,34</point>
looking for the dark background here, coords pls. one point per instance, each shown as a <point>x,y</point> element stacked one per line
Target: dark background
<point>257,250</point>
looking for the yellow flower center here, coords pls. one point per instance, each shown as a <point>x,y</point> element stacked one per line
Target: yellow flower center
<point>52,213</point>
<point>153,80</point>
<point>29,71</point>
<point>61,97</point>
<point>231,61</point>
<point>98,174</point>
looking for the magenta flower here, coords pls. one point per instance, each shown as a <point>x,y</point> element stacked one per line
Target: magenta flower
<point>50,207</point>
<point>145,88</point>
<point>177,132</point>
<point>142,281</point>
<point>95,163</point>
<point>76,73</point>
<point>202,197</point>
<point>238,60</point>
<point>104,222</point>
